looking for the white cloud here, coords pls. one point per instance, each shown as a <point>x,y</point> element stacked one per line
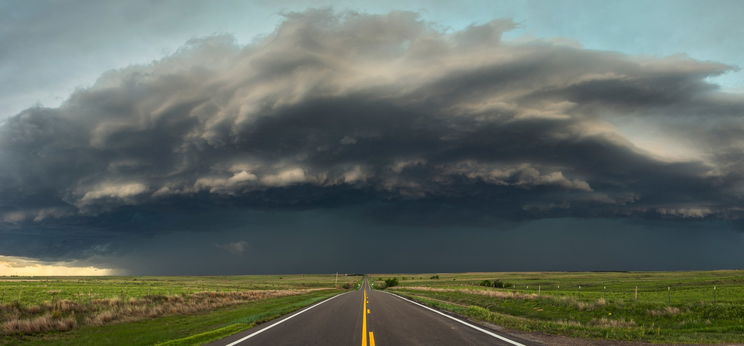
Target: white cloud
<point>285,177</point>
<point>525,175</point>
<point>114,190</point>
<point>214,184</point>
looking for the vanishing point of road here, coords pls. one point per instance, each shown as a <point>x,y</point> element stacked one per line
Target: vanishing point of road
<point>369,317</point>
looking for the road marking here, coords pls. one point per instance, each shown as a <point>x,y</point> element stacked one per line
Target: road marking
<point>460,321</point>
<point>364,318</point>
<point>282,321</point>
<point>371,339</point>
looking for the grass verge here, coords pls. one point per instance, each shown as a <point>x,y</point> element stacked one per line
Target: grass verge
<point>190,329</point>
<point>536,315</point>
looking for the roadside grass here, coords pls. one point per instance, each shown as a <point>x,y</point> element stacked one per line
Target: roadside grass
<point>38,305</point>
<point>191,329</point>
<point>65,315</point>
<point>208,336</point>
<point>672,307</point>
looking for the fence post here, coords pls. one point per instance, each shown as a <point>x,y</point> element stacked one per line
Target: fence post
<point>669,295</point>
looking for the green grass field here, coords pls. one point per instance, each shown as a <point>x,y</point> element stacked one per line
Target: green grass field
<point>189,310</point>
<point>36,290</point>
<point>668,307</point>
<point>672,307</point>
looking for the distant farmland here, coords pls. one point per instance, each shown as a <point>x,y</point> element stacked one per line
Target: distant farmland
<point>149,310</point>
<point>671,307</point>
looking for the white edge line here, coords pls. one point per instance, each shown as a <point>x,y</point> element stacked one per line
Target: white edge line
<point>282,321</point>
<point>460,321</point>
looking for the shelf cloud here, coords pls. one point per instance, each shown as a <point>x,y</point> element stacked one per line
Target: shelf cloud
<point>402,120</point>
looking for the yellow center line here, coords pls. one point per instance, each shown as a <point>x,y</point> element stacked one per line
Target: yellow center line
<point>371,339</point>
<point>364,319</point>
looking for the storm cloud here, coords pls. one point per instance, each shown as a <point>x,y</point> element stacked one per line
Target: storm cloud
<point>388,119</point>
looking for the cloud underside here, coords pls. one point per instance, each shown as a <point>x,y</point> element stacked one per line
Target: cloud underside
<point>388,113</point>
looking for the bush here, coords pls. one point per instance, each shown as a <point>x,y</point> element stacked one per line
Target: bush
<point>391,282</point>
<point>347,286</point>
<point>435,277</point>
<point>495,283</point>
<point>500,284</point>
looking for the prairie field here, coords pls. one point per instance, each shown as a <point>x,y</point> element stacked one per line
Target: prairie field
<point>61,309</point>
<point>658,307</point>
<point>655,307</point>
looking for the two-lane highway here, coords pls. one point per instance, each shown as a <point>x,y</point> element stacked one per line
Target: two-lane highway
<point>369,317</point>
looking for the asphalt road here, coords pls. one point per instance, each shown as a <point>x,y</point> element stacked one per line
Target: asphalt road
<point>389,320</point>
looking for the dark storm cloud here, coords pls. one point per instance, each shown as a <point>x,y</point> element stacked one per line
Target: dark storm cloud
<point>412,125</point>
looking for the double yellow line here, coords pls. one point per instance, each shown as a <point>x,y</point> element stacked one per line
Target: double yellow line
<point>365,311</point>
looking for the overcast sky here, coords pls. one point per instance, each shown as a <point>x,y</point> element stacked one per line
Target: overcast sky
<point>226,137</point>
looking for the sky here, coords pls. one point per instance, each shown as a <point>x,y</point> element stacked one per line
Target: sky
<point>250,137</point>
